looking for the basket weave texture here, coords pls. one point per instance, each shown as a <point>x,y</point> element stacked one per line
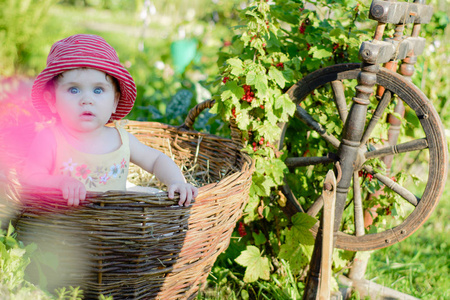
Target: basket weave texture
<point>135,245</point>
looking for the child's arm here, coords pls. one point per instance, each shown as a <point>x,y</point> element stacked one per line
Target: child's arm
<point>164,168</point>
<point>38,166</point>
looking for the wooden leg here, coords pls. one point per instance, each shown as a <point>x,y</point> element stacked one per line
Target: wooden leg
<point>329,200</point>
<point>319,277</point>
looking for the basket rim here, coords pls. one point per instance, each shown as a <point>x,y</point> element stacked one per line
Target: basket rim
<point>157,199</point>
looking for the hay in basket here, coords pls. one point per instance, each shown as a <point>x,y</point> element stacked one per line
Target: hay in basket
<point>134,245</point>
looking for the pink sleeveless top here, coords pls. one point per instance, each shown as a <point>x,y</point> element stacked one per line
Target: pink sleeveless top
<point>98,172</point>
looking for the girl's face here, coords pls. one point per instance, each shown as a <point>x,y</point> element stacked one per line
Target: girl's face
<point>85,99</point>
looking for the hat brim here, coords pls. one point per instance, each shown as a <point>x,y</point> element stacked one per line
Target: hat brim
<point>115,69</point>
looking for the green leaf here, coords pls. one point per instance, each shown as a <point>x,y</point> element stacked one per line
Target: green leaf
<point>236,66</point>
<point>243,120</point>
<point>284,102</point>
<point>233,91</point>
<point>277,169</point>
<point>268,184</point>
<point>297,62</point>
<point>271,117</point>
<point>301,223</point>
<point>10,230</point>
<point>274,168</point>
<point>215,108</point>
<point>273,41</point>
<point>297,254</point>
<point>277,76</point>
<point>337,32</point>
<point>259,81</point>
<point>373,229</point>
<point>10,242</point>
<point>258,187</point>
<point>288,74</point>
<point>321,53</point>
<point>250,212</point>
<point>256,265</point>
<point>341,258</point>
<point>260,238</point>
<point>263,184</point>
<point>270,130</point>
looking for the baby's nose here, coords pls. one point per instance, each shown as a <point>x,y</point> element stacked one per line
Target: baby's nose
<point>86,99</point>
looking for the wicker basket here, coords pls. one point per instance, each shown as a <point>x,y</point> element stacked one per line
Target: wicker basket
<point>143,246</point>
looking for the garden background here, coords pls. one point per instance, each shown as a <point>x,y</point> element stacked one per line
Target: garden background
<point>147,36</point>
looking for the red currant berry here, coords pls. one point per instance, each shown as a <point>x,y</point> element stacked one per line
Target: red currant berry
<point>241,229</point>
<point>302,28</point>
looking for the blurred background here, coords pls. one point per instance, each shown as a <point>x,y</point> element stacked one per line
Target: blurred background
<point>170,47</point>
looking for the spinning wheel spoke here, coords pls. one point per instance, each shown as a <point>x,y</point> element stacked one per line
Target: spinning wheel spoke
<point>415,145</point>
<point>306,118</point>
<point>394,186</point>
<point>339,98</point>
<point>308,161</point>
<point>314,209</point>
<point>358,207</point>
<point>381,107</point>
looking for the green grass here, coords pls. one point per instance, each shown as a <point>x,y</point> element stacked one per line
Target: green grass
<point>418,266</point>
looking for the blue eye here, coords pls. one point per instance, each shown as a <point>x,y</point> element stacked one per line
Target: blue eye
<point>98,90</point>
<point>74,90</point>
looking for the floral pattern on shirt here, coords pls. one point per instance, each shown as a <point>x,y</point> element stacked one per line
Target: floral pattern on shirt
<point>101,174</point>
<point>69,165</point>
<point>82,171</point>
<point>104,179</point>
<point>114,170</point>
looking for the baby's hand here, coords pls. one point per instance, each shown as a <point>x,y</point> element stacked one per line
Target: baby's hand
<point>187,192</point>
<point>73,191</point>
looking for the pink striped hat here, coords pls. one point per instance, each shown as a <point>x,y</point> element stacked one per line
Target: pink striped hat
<point>84,50</point>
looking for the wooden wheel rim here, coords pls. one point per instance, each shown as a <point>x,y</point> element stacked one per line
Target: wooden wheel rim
<point>435,136</point>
